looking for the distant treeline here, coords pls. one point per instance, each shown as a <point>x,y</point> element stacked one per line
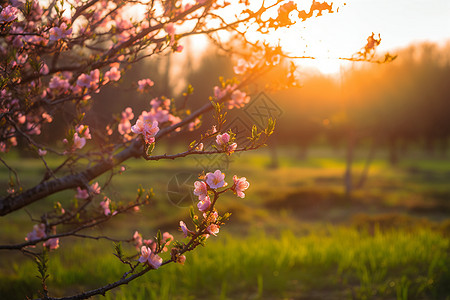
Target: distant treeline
<point>392,105</point>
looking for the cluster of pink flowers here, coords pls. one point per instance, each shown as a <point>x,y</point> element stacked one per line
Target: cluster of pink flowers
<point>149,252</point>
<point>58,85</point>
<point>89,81</point>
<point>124,126</point>
<point>105,206</point>
<point>61,32</point>
<point>214,181</point>
<point>225,143</point>
<point>95,189</point>
<point>241,67</point>
<point>147,129</point>
<point>39,233</point>
<point>112,75</point>
<point>150,258</point>
<point>237,98</point>
<point>144,84</point>
<point>8,14</point>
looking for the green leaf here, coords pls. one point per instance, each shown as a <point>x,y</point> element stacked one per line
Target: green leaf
<point>150,148</point>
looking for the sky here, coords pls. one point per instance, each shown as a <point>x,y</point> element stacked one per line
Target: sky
<point>399,22</point>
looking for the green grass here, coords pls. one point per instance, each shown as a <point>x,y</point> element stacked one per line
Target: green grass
<point>327,262</point>
<point>389,241</point>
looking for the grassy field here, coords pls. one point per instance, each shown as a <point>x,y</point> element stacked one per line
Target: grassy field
<point>295,236</point>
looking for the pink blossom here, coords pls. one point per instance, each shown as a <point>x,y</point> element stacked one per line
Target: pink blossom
<point>78,142</point>
<point>58,85</point>
<point>37,233</point>
<point>128,113</point>
<point>212,216</point>
<point>147,257</point>
<point>147,129</point>
<point>105,206</point>
<point>89,81</point>
<point>215,180</point>
<point>83,130</point>
<point>113,74</point>
<point>44,69</point>
<point>238,99</point>
<point>194,124</point>
<point>52,244</point>
<point>179,48</point>
<point>231,148</point>
<point>213,229</point>
<point>95,188</point>
<point>241,67</point>
<point>42,152</point>
<point>185,230</point>
<point>124,126</point>
<point>48,118</point>
<point>57,33</point>
<point>82,194</point>
<point>201,190</point>
<point>204,204</point>
<point>21,118</point>
<point>167,237</point>
<point>144,83</point>
<point>221,93</point>
<point>137,239</point>
<point>170,29</point>
<point>240,185</point>
<point>199,147</point>
<point>222,139</point>
<point>8,14</point>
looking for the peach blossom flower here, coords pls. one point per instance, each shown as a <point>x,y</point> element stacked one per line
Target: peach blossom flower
<point>201,190</point>
<point>58,85</point>
<point>8,14</point>
<point>144,83</point>
<point>215,180</point>
<point>185,230</point>
<point>199,147</point>
<point>128,113</point>
<point>147,257</point>
<point>83,130</point>
<point>37,233</point>
<point>204,204</point>
<point>222,139</point>
<point>241,67</point>
<point>113,74</point>
<point>213,229</point>
<point>42,152</point>
<point>231,148</point>
<point>238,99</point>
<point>78,142</point>
<point>240,185</point>
<point>137,239</point>
<point>81,194</point>
<point>57,33</point>
<point>52,244</point>
<point>95,188</point>
<point>105,206</point>
<point>167,237</point>
<point>212,216</point>
<point>147,129</point>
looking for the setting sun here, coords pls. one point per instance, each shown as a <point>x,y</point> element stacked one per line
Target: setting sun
<point>343,32</point>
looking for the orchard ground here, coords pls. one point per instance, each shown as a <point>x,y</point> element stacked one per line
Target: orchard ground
<point>295,235</point>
